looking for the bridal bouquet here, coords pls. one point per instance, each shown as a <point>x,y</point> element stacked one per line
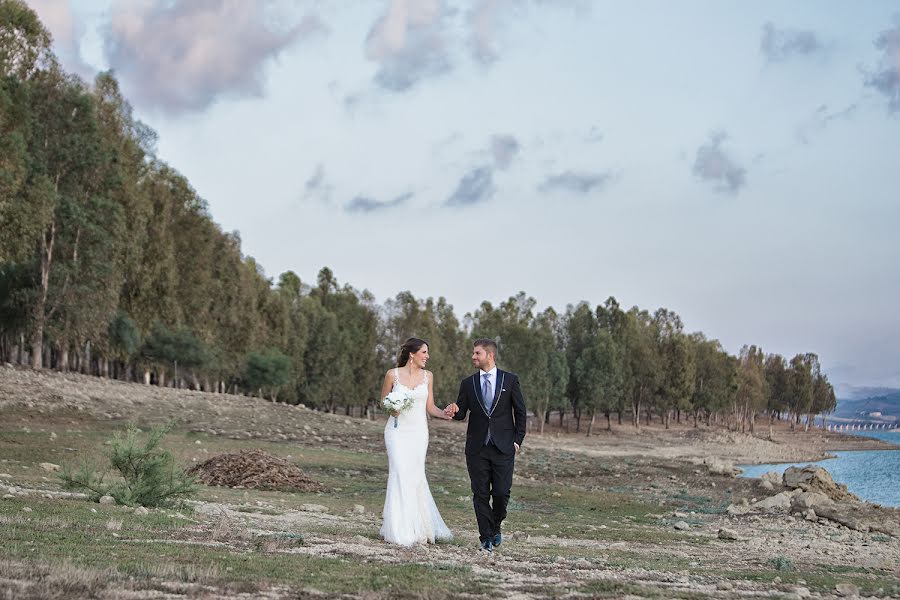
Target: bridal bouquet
<point>396,402</point>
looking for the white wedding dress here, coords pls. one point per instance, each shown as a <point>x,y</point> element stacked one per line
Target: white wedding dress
<point>410,514</point>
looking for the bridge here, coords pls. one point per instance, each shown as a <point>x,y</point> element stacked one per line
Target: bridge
<point>863,426</point>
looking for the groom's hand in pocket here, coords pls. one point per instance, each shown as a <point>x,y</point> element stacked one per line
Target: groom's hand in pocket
<point>516,446</point>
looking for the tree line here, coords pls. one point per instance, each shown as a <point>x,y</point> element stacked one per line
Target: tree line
<point>111,265</point>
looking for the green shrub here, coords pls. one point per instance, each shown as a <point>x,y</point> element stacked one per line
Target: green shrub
<point>142,473</point>
<point>782,563</point>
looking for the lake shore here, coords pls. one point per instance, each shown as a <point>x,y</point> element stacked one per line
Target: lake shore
<point>643,514</point>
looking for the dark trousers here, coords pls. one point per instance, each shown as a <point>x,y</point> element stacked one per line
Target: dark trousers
<point>491,473</point>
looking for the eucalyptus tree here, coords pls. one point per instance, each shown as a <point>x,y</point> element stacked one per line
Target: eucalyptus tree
<point>642,371</point>
<point>600,377</point>
<point>750,397</point>
<point>677,365</point>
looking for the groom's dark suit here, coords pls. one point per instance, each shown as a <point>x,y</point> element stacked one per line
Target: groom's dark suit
<point>491,464</point>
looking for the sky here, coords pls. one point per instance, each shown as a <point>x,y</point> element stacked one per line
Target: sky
<point>735,162</point>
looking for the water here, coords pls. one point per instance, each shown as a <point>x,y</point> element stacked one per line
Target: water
<point>873,475</point>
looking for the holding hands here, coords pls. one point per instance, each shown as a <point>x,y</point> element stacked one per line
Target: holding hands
<point>450,410</point>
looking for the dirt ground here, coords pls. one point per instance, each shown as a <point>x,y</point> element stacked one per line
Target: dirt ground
<point>623,513</point>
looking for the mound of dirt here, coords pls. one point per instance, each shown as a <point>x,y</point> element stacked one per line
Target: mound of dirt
<point>253,469</point>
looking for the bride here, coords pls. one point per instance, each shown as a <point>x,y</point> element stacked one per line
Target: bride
<point>410,514</point>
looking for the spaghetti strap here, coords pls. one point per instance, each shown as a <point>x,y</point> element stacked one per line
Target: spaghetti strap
<point>426,376</point>
<point>396,375</point>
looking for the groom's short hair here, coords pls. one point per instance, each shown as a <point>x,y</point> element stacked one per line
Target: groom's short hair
<point>488,344</point>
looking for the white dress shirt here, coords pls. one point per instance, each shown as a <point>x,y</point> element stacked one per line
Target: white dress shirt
<point>492,377</point>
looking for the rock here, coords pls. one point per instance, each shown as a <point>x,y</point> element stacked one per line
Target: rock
<point>806,500</point>
<point>6,475</point>
<point>679,515</point>
<point>801,591</point>
<point>26,509</point>
<point>735,510</point>
<point>727,534</point>
<point>141,511</point>
<point>816,479</point>
<point>106,500</point>
<point>724,585</point>
<point>8,496</point>
<point>853,516</point>
<point>846,590</point>
<point>50,467</point>
<point>773,477</point>
<point>718,466</point>
<point>316,508</point>
<point>359,509</point>
<point>681,526</point>
<point>780,501</point>
<point>767,485</point>
<point>810,515</point>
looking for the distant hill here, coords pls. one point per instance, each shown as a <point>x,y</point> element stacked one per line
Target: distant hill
<point>886,401</point>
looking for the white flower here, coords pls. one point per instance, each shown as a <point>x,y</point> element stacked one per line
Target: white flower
<point>396,401</point>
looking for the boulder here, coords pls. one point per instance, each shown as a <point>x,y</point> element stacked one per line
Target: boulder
<point>846,590</point>
<point>316,508</point>
<point>49,467</point>
<point>816,479</point>
<point>728,534</point>
<point>718,466</point>
<point>736,510</point>
<point>807,500</point>
<point>780,501</point>
<point>682,526</point>
<point>106,500</point>
<point>141,511</point>
<point>767,485</point>
<point>773,477</point>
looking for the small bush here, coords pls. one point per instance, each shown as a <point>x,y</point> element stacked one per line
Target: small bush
<point>147,475</point>
<point>782,563</point>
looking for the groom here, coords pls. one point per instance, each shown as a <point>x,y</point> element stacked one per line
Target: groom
<point>495,433</point>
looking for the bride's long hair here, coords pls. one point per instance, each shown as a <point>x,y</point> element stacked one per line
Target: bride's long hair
<point>410,346</point>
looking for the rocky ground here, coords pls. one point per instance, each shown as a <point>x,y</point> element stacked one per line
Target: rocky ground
<point>643,514</point>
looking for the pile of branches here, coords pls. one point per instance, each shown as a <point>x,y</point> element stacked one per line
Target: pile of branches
<point>254,469</point>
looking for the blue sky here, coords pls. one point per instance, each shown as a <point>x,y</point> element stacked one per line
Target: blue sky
<point>735,162</point>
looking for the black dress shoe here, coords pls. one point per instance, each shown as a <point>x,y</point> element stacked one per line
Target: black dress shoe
<point>498,539</point>
<point>487,546</point>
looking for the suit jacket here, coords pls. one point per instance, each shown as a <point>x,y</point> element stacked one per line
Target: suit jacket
<point>507,416</point>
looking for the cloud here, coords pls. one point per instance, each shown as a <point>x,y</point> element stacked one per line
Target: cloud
<point>886,79</point>
<point>504,148</point>
<point>821,119</point>
<point>780,45</point>
<point>182,55</point>
<point>408,44</point>
<point>594,135</point>
<point>487,17</point>
<point>475,187</point>
<point>482,22</point>
<point>57,17</point>
<point>364,204</point>
<point>713,164</point>
<point>575,182</point>
<point>317,186</point>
